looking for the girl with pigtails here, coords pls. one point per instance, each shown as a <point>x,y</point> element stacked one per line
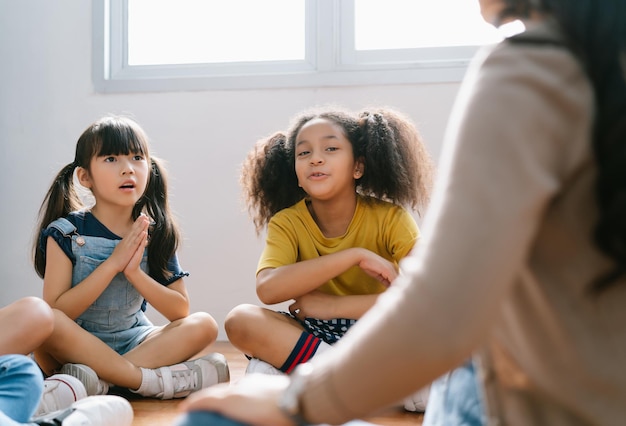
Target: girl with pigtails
<point>102,264</point>
<point>333,193</point>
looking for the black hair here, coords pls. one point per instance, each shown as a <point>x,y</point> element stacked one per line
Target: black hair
<point>596,34</point>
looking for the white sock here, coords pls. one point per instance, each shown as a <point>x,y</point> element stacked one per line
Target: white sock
<point>151,383</point>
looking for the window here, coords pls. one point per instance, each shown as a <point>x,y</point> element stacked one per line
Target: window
<point>158,45</point>
<point>158,28</point>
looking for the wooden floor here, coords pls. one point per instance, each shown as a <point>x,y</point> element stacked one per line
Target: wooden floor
<point>151,412</point>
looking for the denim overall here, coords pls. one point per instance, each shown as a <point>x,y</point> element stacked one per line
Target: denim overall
<point>116,316</point>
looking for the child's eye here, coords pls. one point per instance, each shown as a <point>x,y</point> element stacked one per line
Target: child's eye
<point>109,159</point>
<point>302,153</point>
<point>332,148</point>
<point>138,157</point>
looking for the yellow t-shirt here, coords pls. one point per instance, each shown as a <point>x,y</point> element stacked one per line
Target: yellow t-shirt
<point>384,228</point>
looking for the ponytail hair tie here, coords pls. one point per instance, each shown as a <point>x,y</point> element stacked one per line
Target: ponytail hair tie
<point>155,167</point>
<point>363,118</point>
<point>369,119</point>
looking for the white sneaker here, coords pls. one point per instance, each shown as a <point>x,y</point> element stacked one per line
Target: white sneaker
<point>85,374</point>
<point>261,367</point>
<point>180,380</point>
<point>59,392</point>
<point>100,410</point>
<point>418,401</point>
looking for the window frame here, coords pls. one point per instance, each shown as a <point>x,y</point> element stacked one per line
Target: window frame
<point>330,59</point>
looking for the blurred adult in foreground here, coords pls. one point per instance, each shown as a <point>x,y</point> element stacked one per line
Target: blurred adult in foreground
<point>522,260</point>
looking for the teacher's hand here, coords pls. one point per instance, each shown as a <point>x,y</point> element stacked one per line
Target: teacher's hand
<point>253,400</point>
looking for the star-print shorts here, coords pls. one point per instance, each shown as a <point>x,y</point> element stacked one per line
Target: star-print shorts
<point>330,331</point>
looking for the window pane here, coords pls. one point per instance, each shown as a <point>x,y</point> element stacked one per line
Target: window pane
<point>214,31</point>
<point>405,24</point>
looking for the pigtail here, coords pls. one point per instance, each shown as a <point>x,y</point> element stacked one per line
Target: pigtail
<point>381,151</point>
<point>61,199</point>
<point>268,179</point>
<point>398,167</point>
<point>164,234</point>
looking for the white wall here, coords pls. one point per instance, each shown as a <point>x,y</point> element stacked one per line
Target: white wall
<point>47,99</point>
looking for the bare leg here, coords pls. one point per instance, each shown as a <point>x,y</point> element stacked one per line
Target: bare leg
<point>26,324</point>
<point>69,343</point>
<point>262,333</point>
<point>178,341</point>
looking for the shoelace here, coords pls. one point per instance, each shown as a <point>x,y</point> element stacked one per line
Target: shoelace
<point>187,380</point>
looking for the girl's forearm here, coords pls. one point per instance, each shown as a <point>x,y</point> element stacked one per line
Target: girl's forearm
<point>171,301</point>
<point>75,300</point>
<point>275,285</point>
<point>354,306</point>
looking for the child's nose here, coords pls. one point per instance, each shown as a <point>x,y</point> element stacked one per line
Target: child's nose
<point>127,168</point>
<point>316,159</point>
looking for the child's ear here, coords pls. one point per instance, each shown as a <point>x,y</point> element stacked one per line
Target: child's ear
<point>359,169</point>
<point>83,177</point>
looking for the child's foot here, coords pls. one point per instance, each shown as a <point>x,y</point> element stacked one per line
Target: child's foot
<point>180,380</point>
<point>88,377</point>
<point>101,410</point>
<point>261,367</point>
<point>59,392</point>
<point>417,402</point>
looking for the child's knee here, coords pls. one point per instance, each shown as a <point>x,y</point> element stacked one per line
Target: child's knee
<point>36,318</point>
<point>239,321</point>
<point>205,325</point>
<point>38,310</point>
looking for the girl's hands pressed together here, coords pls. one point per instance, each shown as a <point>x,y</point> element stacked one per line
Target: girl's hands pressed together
<point>143,222</point>
<point>129,251</point>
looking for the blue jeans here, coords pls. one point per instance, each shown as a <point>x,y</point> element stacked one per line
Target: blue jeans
<point>455,399</point>
<point>205,418</point>
<point>21,387</point>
